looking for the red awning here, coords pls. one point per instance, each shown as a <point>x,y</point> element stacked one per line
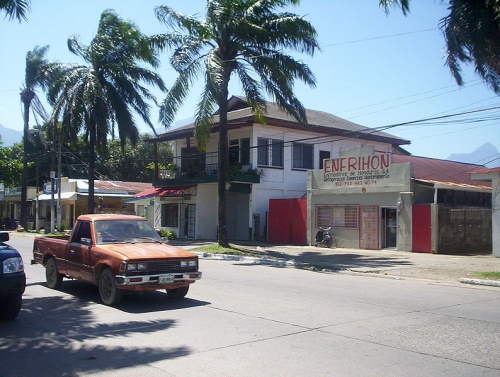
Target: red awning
<point>161,191</point>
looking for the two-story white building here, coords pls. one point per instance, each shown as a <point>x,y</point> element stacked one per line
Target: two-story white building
<point>266,162</point>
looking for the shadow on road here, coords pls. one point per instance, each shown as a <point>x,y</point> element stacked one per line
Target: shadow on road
<point>58,336</point>
<point>342,261</point>
<point>135,302</point>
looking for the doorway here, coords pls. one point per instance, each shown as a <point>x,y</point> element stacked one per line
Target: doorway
<point>390,227</point>
<point>187,220</point>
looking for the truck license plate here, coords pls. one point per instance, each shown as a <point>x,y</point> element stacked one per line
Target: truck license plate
<point>166,279</point>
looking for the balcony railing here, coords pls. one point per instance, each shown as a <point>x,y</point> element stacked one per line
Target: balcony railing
<point>209,173</point>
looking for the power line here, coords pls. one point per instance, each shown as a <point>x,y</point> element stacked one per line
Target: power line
<point>379,37</point>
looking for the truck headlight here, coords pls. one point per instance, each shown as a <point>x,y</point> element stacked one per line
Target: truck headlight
<point>188,263</point>
<point>137,266</point>
<point>12,265</point>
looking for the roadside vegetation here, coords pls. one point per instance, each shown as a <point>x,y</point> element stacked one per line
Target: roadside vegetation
<point>492,275</point>
<point>231,249</point>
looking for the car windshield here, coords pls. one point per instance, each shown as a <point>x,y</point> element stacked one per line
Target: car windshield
<point>116,231</point>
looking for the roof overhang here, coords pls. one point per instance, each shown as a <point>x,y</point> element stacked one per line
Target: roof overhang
<point>160,191</point>
<point>64,196</point>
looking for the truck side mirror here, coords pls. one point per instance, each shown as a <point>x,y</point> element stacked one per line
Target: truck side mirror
<point>86,241</point>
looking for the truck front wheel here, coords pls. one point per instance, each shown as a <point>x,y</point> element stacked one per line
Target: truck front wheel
<point>53,277</point>
<point>110,295</point>
<point>178,293</point>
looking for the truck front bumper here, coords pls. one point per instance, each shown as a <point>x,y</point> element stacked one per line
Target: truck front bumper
<point>161,279</point>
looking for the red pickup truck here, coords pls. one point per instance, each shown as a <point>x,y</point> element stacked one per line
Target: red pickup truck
<point>118,253</point>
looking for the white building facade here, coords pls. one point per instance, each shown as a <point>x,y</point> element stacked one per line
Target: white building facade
<point>266,162</point>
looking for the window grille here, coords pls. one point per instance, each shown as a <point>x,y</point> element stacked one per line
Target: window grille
<point>337,216</point>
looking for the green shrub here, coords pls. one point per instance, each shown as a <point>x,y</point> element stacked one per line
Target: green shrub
<point>170,234</point>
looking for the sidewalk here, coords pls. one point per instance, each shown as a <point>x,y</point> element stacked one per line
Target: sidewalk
<point>390,263</point>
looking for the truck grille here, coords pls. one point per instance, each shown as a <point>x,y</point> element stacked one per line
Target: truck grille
<point>164,266</point>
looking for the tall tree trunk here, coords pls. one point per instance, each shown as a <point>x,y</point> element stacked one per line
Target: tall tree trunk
<point>92,146</point>
<point>26,98</point>
<point>223,166</point>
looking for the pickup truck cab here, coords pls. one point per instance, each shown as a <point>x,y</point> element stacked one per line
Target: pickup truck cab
<point>12,279</point>
<point>118,253</point>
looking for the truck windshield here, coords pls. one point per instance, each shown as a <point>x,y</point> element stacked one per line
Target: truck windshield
<point>116,231</point>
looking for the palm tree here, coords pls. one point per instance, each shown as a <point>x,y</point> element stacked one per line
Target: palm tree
<point>472,35</point>
<point>104,94</point>
<point>39,73</point>
<point>245,37</point>
<point>15,9</point>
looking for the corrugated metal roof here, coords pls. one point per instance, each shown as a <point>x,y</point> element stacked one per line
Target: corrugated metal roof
<point>442,172</point>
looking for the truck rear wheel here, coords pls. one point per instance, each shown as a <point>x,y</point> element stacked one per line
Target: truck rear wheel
<point>53,277</point>
<point>178,293</point>
<point>110,294</point>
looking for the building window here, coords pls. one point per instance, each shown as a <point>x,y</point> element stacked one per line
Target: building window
<point>245,151</point>
<point>270,152</point>
<point>337,216</point>
<point>234,152</point>
<point>170,215</point>
<point>302,156</point>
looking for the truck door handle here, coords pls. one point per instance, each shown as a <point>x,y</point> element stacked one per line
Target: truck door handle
<point>97,255</point>
<point>72,251</point>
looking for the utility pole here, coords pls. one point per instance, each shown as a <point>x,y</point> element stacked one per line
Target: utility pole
<point>59,186</point>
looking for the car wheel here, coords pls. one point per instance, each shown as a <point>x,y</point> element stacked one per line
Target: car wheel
<point>178,293</point>
<point>110,295</point>
<point>53,277</point>
<point>11,307</point>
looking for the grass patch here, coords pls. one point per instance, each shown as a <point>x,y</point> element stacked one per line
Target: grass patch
<point>494,275</point>
<point>217,249</point>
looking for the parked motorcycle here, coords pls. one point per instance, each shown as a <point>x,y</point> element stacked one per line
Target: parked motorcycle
<point>323,237</point>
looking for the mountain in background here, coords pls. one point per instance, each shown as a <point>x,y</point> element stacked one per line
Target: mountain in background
<point>9,136</point>
<point>487,155</point>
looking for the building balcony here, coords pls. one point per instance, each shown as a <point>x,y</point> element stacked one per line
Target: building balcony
<point>209,173</point>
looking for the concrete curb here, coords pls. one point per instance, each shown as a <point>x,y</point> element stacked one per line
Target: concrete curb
<point>491,283</point>
<point>254,260</point>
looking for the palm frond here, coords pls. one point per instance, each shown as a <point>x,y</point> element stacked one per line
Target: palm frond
<point>16,9</point>
<point>177,94</point>
<point>253,92</point>
<point>181,22</point>
<point>403,4</point>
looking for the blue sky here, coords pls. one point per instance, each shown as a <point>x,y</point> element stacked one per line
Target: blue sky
<point>374,69</point>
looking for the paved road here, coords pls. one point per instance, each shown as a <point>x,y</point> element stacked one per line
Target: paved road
<point>246,319</point>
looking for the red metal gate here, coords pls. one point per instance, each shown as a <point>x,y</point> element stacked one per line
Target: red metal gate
<point>287,221</point>
<point>421,228</point>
